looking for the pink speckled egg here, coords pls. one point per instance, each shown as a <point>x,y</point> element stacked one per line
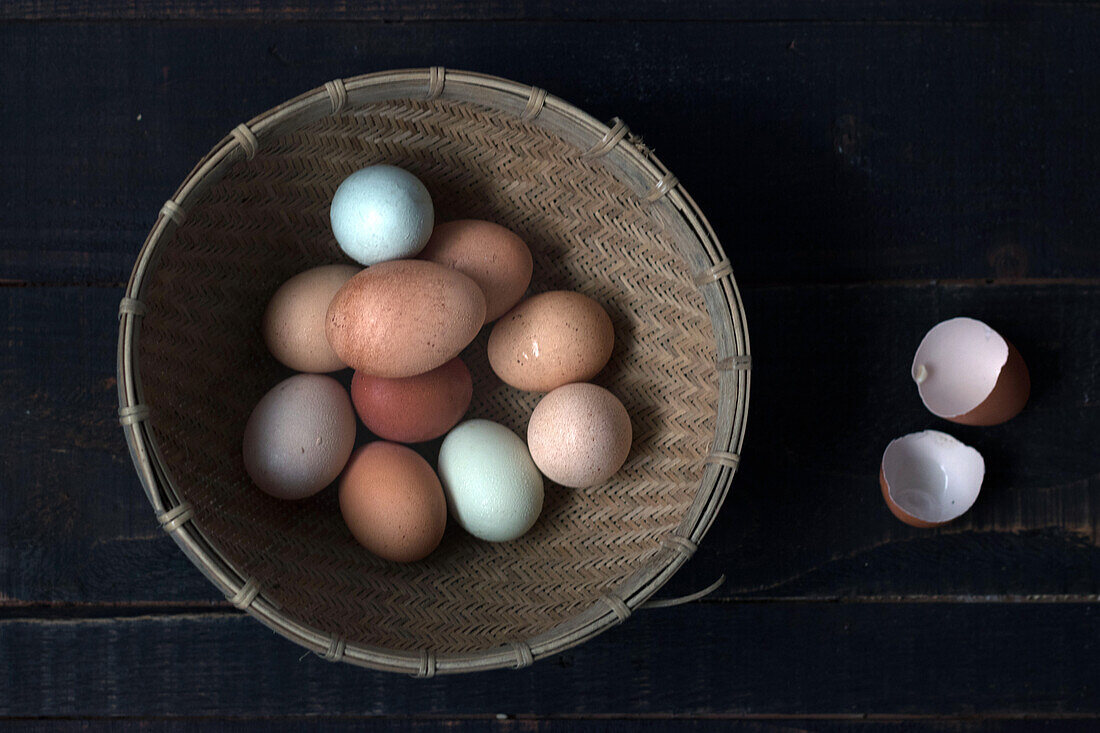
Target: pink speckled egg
<point>404,317</point>
<point>579,435</point>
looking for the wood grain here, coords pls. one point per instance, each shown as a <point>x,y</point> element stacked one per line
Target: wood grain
<point>822,152</point>
<point>804,519</point>
<point>597,724</point>
<point>482,10</point>
<point>873,167</point>
<point>704,660</point>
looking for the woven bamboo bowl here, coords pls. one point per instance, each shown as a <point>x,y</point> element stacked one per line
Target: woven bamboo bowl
<point>601,215</point>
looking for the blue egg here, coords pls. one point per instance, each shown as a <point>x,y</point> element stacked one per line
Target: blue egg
<point>381,213</point>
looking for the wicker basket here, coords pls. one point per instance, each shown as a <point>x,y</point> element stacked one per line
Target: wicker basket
<point>601,215</point>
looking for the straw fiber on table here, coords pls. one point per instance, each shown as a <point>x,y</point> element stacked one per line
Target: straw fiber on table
<point>204,367</point>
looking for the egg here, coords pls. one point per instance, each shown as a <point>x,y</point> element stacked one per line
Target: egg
<point>969,374</point>
<point>392,502</point>
<point>413,409</point>
<point>579,435</point>
<point>299,436</point>
<point>294,323</point>
<point>551,339</point>
<point>381,213</point>
<point>490,255</point>
<point>494,491</point>
<point>404,317</point>
<point>930,478</point>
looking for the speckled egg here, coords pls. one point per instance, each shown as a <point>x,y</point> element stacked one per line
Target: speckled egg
<point>492,256</point>
<point>413,409</point>
<point>579,435</point>
<point>392,502</point>
<point>381,213</point>
<point>405,317</point>
<point>551,339</point>
<point>299,436</point>
<point>294,322</point>
<point>493,488</point>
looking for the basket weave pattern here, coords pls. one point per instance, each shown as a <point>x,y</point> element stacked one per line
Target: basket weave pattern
<point>260,214</point>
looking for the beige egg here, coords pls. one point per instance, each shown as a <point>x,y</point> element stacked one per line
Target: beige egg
<point>294,322</point>
<point>492,256</point>
<point>579,435</point>
<point>551,339</point>
<point>404,317</point>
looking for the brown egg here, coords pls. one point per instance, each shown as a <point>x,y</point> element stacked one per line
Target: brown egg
<point>492,256</point>
<point>404,317</point>
<point>413,409</point>
<point>551,339</point>
<point>294,322</point>
<point>579,435</point>
<point>392,502</point>
<point>299,436</point>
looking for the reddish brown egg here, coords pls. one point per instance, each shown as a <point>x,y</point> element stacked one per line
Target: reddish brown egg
<point>551,339</point>
<point>392,502</point>
<point>413,409</point>
<point>490,255</point>
<point>404,317</point>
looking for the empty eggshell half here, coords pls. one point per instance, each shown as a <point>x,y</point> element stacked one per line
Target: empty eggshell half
<point>969,374</point>
<point>930,478</point>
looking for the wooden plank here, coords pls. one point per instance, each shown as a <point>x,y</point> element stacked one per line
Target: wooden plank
<point>747,724</point>
<point>822,152</point>
<point>804,519</point>
<point>483,10</point>
<point>734,659</point>
<point>74,521</point>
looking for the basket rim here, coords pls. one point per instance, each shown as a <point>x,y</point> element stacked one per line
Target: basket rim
<point>643,173</point>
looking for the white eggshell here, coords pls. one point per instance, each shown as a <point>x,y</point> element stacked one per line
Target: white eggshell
<point>930,477</point>
<point>381,213</point>
<point>968,373</point>
<point>957,364</point>
<point>494,491</point>
<point>299,436</point>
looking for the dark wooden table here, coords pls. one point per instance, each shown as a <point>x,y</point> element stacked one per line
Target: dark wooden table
<point>872,168</point>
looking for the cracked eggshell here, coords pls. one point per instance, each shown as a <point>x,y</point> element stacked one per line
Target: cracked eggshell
<point>969,374</point>
<point>930,478</point>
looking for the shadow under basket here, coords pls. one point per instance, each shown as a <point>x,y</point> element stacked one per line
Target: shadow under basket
<point>601,215</point>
